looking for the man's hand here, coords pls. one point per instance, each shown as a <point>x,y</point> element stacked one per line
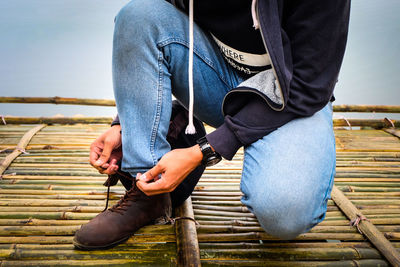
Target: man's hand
<point>170,171</point>
<point>106,150</point>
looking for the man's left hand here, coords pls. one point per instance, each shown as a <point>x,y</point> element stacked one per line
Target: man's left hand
<point>170,171</point>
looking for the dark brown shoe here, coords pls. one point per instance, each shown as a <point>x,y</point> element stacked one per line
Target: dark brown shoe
<point>116,224</point>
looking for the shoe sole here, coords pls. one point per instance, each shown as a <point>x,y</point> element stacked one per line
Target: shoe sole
<point>87,247</point>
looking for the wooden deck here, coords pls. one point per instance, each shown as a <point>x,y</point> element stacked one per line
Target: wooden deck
<point>50,190</point>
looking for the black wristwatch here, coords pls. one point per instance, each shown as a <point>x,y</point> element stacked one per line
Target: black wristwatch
<point>210,157</point>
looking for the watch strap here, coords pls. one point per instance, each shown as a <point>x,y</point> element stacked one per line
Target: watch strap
<point>208,152</point>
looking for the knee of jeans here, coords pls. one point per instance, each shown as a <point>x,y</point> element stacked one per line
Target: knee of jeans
<point>138,14</point>
<point>285,222</point>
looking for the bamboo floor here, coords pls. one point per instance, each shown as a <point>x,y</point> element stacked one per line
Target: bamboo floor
<point>49,191</point>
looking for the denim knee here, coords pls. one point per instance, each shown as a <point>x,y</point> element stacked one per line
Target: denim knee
<point>284,222</point>
<point>143,16</point>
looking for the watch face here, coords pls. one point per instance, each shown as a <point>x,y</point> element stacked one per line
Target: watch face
<point>213,160</point>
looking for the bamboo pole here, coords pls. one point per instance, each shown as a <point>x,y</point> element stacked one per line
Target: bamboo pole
<point>66,230</point>
<point>97,194</point>
<point>20,147</point>
<point>68,239</point>
<point>291,253</point>
<point>123,246</point>
<point>110,102</point>
<point>374,123</point>
<point>19,195</point>
<point>58,100</point>
<point>369,230</point>
<point>161,257</point>
<point>56,120</point>
<point>222,208</point>
<point>202,229</point>
<point>37,222</point>
<point>338,222</point>
<point>236,237</point>
<point>186,236</point>
<point>210,253</point>
<point>279,263</point>
<point>85,262</point>
<point>328,217</point>
<point>28,202</point>
<point>224,213</point>
<point>366,108</point>
<point>293,244</point>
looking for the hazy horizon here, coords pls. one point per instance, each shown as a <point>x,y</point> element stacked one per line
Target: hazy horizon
<point>63,48</point>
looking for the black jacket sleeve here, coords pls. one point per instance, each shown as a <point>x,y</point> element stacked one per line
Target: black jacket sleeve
<point>245,127</point>
<point>314,35</point>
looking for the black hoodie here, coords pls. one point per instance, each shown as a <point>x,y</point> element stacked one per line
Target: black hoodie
<point>306,41</point>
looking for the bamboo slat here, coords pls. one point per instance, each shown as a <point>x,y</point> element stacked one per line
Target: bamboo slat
<point>393,131</point>
<point>58,100</point>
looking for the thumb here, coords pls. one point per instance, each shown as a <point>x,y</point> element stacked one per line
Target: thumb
<point>105,154</point>
<point>151,174</point>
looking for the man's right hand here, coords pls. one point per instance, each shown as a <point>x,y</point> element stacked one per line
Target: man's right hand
<point>106,151</point>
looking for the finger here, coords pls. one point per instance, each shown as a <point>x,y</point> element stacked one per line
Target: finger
<point>109,168</point>
<point>154,188</point>
<point>94,154</point>
<point>113,162</point>
<point>112,169</point>
<point>105,165</point>
<point>105,155</point>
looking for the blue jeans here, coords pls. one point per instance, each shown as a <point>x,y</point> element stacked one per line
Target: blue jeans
<point>287,175</point>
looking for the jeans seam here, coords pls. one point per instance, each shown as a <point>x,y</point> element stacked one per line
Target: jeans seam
<point>158,109</point>
<point>206,60</point>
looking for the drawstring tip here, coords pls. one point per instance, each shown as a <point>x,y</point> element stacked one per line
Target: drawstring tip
<point>190,129</point>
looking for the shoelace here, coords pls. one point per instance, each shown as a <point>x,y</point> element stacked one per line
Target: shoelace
<point>129,195</point>
<point>125,202</point>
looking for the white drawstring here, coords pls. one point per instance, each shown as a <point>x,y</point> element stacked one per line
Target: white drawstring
<point>190,129</point>
<point>256,24</point>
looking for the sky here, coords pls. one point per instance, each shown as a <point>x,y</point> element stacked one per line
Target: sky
<point>63,48</point>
